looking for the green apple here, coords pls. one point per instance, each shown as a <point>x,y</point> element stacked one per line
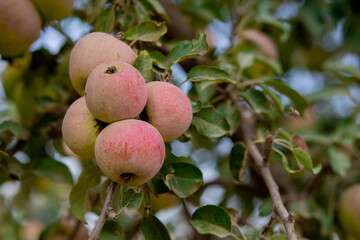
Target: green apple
<point>349,210</point>
<point>54,9</point>
<point>80,129</point>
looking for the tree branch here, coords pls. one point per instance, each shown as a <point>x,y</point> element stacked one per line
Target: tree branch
<point>263,167</point>
<point>265,231</point>
<point>107,211</point>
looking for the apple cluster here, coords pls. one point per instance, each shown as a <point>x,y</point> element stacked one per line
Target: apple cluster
<point>121,120</point>
<point>21,22</point>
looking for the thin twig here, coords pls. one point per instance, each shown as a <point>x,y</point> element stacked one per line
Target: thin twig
<point>263,167</point>
<point>107,211</point>
<point>246,126</point>
<point>267,228</point>
<point>75,231</point>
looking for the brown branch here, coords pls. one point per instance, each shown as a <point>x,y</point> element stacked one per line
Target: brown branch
<point>265,231</point>
<point>76,230</point>
<point>107,211</point>
<point>263,167</point>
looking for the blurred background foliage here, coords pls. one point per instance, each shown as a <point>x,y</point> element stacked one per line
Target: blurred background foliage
<point>273,55</point>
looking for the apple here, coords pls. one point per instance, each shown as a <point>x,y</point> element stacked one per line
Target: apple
<point>308,120</point>
<point>114,91</point>
<point>168,109</point>
<point>54,9</point>
<point>263,42</point>
<point>80,129</point>
<point>20,26</point>
<point>92,50</point>
<point>163,201</point>
<point>130,152</point>
<point>349,210</point>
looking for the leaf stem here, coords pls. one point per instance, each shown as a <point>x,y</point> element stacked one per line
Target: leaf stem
<point>133,42</point>
<point>183,82</point>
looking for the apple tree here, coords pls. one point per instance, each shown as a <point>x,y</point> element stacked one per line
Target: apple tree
<point>183,119</point>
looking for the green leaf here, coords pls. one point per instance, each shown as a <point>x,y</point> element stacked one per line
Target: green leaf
<point>196,107</point>
<point>159,9</point>
<point>208,73</point>
<point>299,101</point>
<point>272,63</point>
<point>54,171</point>
<point>328,92</point>
<point>213,220</point>
<point>296,173</point>
<point>149,31</point>
<point>10,168</point>
<point>256,100</point>
<point>11,126</point>
<point>157,185</point>
<point>340,67</point>
<point>185,180</point>
<point>274,96</point>
<point>106,20</point>
<point>245,60</point>
<point>158,59</point>
<point>153,229</point>
<point>339,162</point>
<point>266,207</point>
<point>304,158</point>
<point>80,193</point>
<point>265,14</point>
<point>188,49</point>
<point>232,115</point>
<point>237,159</point>
<point>95,10</point>
<point>278,236</point>
<point>211,123</point>
<point>143,63</point>
<point>131,199</point>
<point>143,11</point>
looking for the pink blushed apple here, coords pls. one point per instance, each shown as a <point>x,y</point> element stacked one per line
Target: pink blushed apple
<point>115,91</point>
<point>20,26</point>
<point>80,129</point>
<point>92,50</point>
<point>130,152</point>
<point>168,109</point>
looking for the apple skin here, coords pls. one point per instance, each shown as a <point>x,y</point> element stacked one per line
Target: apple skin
<point>168,109</point>
<point>114,91</point>
<point>263,42</point>
<point>92,50</point>
<point>20,26</point>
<point>80,129</point>
<point>349,210</point>
<point>163,201</point>
<point>54,9</point>
<point>130,152</point>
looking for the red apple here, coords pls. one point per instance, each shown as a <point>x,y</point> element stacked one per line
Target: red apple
<point>92,50</point>
<point>169,109</point>
<point>114,91</point>
<point>130,152</point>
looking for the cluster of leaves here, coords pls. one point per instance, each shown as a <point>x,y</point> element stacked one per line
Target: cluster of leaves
<point>245,80</point>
